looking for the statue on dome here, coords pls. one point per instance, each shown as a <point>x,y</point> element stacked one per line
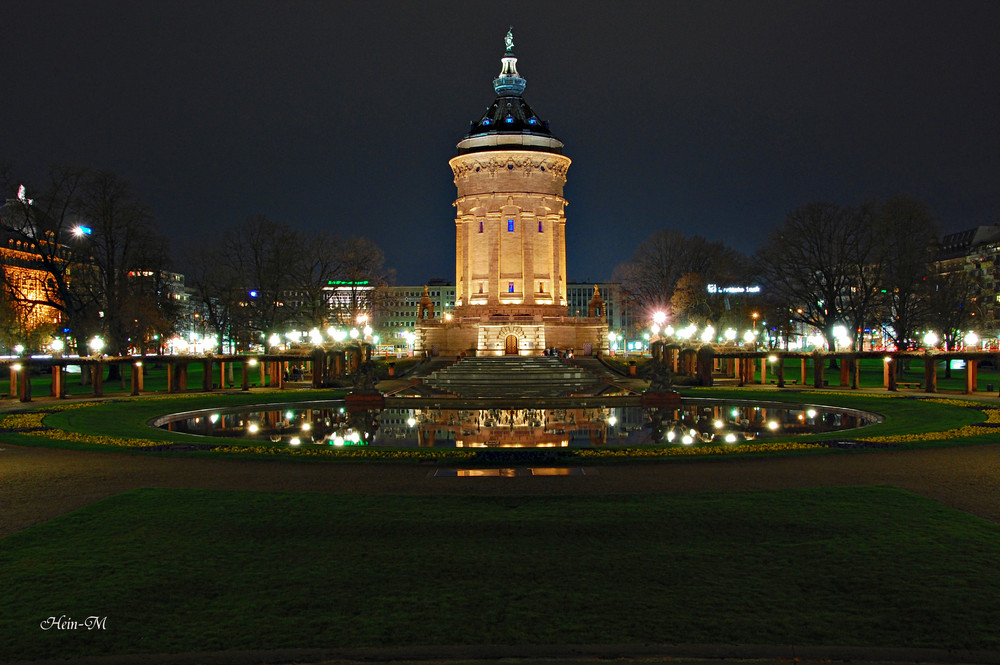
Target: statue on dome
<point>509,39</point>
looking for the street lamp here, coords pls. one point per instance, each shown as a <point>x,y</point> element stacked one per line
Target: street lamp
<point>931,339</point>
<point>96,345</point>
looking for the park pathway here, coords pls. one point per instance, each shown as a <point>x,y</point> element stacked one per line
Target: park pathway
<point>37,484</point>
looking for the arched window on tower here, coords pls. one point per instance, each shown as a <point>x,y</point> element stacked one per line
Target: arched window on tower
<point>480,227</point>
<point>539,226</point>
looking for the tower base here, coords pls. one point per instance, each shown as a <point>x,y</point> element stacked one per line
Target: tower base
<point>500,335</point>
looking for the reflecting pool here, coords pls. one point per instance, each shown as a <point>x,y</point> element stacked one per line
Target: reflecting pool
<point>697,421</point>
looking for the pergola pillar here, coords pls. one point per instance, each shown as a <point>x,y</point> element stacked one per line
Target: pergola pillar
<point>206,375</point>
<point>136,377</point>
<point>763,370</point>
<point>781,371</point>
<point>818,362</point>
<point>245,375</point>
<point>97,379</point>
<point>318,368</point>
<point>889,373</point>
<point>176,376</point>
<point>705,361</point>
<point>971,376</point>
<point>58,381</point>
<point>24,385</point>
<point>930,374</point>
<point>802,366</point>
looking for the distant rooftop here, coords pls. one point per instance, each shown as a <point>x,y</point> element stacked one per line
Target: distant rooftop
<point>960,244</point>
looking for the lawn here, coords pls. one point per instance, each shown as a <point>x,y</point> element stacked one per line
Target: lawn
<point>186,570</point>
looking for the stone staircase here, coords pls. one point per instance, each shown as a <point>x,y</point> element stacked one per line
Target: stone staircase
<point>514,376</point>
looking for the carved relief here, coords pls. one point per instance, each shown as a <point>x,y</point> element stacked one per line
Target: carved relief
<point>527,165</point>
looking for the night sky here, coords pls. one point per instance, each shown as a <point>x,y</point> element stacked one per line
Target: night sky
<point>706,117</point>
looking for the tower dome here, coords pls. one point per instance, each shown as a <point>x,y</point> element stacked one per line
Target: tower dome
<point>509,122</point>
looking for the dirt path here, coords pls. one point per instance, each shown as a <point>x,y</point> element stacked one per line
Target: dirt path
<point>37,484</point>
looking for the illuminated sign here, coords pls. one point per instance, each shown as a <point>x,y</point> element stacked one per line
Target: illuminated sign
<point>715,288</point>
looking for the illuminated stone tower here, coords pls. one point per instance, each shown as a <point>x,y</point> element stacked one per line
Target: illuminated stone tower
<point>510,222</point>
<point>510,236</point>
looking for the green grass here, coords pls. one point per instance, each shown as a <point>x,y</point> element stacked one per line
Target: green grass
<point>186,570</point>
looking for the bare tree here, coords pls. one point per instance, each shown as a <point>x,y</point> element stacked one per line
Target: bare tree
<point>219,291</point>
<point>909,233</point>
<point>125,251</point>
<point>261,252</point>
<point>650,278</point>
<point>953,305</point>
<point>317,265</point>
<point>822,265</point>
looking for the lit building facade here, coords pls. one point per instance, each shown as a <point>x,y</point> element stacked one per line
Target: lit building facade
<point>510,238</point>
<point>29,286</point>
<point>975,252</point>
